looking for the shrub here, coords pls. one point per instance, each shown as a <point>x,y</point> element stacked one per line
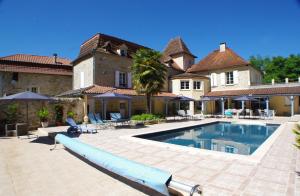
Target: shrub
<point>43,114</point>
<point>11,113</point>
<point>144,117</point>
<point>70,114</point>
<point>297,138</point>
<point>58,113</point>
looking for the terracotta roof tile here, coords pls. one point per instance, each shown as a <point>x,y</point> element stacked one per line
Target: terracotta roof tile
<point>37,59</point>
<point>189,75</point>
<point>294,90</point>
<point>35,64</point>
<point>96,89</point>
<point>101,42</point>
<point>175,46</point>
<point>219,60</point>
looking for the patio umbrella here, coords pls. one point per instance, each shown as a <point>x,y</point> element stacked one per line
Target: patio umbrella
<point>245,98</point>
<point>183,98</point>
<point>26,96</point>
<point>113,95</point>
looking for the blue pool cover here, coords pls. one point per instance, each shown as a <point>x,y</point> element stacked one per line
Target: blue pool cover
<point>151,177</point>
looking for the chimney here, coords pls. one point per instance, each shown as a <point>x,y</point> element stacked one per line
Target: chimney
<point>55,58</point>
<point>222,47</point>
<point>286,80</point>
<point>273,81</point>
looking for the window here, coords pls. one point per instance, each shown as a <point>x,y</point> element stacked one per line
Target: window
<point>184,85</point>
<point>229,77</point>
<point>123,52</point>
<point>33,89</point>
<point>230,149</point>
<point>197,85</point>
<point>15,76</point>
<point>122,80</point>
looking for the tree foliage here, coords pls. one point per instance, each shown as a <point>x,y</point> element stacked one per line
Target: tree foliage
<point>297,136</point>
<point>148,73</point>
<point>278,67</point>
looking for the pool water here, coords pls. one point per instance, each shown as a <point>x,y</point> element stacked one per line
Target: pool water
<point>219,136</point>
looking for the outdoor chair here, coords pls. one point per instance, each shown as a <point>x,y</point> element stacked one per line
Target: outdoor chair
<point>116,118</point>
<point>228,113</point>
<point>101,122</point>
<point>18,129</point>
<point>269,113</point>
<point>182,113</point>
<point>75,128</point>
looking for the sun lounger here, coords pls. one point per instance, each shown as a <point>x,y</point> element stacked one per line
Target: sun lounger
<point>116,118</point>
<point>103,123</point>
<point>182,114</point>
<point>74,128</point>
<point>98,123</point>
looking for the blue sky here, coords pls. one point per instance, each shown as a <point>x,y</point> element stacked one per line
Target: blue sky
<point>44,27</point>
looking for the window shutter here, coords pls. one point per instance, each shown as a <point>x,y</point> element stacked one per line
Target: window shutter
<point>82,79</point>
<point>211,80</point>
<point>235,77</point>
<point>215,79</point>
<point>223,78</point>
<point>117,78</point>
<point>129,83</point>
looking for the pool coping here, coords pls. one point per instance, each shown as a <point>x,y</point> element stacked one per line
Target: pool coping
<point>255,157</point>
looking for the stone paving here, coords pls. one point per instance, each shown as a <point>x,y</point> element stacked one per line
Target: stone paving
<point>274,173</point>
<point>29,168</point>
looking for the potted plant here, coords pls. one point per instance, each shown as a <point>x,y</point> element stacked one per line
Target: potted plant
<point>58,115</point>
<point>43,114</point>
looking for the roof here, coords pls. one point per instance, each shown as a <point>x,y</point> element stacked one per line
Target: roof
<point>189,75</point>
<point>219,60</point>
<point>49,60</point>
<point>106,43</point>
<point>293,90</point>
<point>175,46</point>
<point>97,89</point>
<point>25,63</point>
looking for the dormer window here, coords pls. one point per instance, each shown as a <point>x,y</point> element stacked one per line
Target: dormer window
<point>123,52</point>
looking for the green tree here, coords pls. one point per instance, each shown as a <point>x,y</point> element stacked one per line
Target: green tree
<point>297,138</point>
<point>148,74</point>
<point>278,67</point>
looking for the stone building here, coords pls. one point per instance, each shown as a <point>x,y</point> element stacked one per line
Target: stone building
<point>41,74</point>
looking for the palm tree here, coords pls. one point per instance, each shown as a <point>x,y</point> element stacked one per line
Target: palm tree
<point>148,74</point>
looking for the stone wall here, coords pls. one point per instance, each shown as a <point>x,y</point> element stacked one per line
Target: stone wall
<point>45,83</point>
<point>75,105</point>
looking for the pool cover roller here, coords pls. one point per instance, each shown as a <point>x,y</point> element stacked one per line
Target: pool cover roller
<point>148,176</point>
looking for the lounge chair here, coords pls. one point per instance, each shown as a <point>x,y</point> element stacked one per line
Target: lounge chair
<point>228,113</point>
<point>75,128</point>
<point>182,113</point>
<point>116,118</point>
<point>101,122</point>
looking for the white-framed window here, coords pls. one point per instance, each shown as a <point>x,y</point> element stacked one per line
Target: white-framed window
<point>197,85</point>
<point>122,79</point>
<point>229,77</point>
<point>184,84</point>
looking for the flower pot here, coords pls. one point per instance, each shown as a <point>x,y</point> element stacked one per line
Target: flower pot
<point>44,124</point>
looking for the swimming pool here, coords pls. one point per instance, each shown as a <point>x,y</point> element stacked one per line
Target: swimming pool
<point>237,138</point>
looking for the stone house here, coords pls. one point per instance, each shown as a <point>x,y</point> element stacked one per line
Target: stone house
<point>41,74</point>
<point>104,62</point>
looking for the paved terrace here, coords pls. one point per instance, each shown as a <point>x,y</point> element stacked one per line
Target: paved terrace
<point>272,172</point>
